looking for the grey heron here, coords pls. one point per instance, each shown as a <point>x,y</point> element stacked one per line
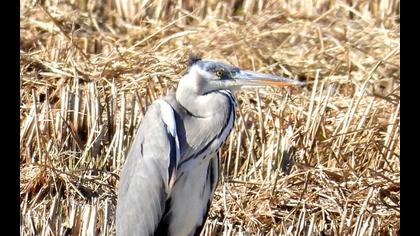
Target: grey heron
<point>173,166</point>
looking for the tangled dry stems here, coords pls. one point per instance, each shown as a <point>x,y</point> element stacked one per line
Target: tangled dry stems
<point>323,159</point>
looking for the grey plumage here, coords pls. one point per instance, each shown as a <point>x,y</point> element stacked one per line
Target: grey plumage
<point>173,167</point>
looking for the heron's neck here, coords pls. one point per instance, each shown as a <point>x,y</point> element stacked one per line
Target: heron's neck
<point>198,104</point>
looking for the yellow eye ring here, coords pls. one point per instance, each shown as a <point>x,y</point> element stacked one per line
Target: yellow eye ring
<point>219,73</point>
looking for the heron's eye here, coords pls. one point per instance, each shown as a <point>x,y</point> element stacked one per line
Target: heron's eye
<point>220,72</point>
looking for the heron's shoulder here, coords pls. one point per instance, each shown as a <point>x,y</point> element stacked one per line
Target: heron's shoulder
<point>161,106</point>
<point>167,115</point>
<point>161,110</point>
<point>165,109</point>
<point>173,102</point>
<point>170,98</point>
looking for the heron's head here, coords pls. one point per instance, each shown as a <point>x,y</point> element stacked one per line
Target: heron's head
<point>211,75</point>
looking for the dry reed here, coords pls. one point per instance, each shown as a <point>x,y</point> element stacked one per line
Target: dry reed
<point>318,160</point>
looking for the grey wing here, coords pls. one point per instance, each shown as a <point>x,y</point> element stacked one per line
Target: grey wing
<point>148,173</point>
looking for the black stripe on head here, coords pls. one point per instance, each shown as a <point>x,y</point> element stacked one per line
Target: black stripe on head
<point>193,59</point>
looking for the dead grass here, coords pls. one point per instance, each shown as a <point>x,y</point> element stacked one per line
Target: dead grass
<point>319,160</point>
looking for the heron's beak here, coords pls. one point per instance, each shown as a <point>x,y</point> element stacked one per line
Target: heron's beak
<point>253,79</point>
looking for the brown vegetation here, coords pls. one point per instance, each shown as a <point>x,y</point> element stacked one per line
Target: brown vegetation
<point>318,160</point>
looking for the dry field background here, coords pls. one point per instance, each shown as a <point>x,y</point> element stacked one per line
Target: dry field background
<point>323,159</point>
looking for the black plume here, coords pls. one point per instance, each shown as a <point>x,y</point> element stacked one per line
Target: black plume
<point>193,59</point>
